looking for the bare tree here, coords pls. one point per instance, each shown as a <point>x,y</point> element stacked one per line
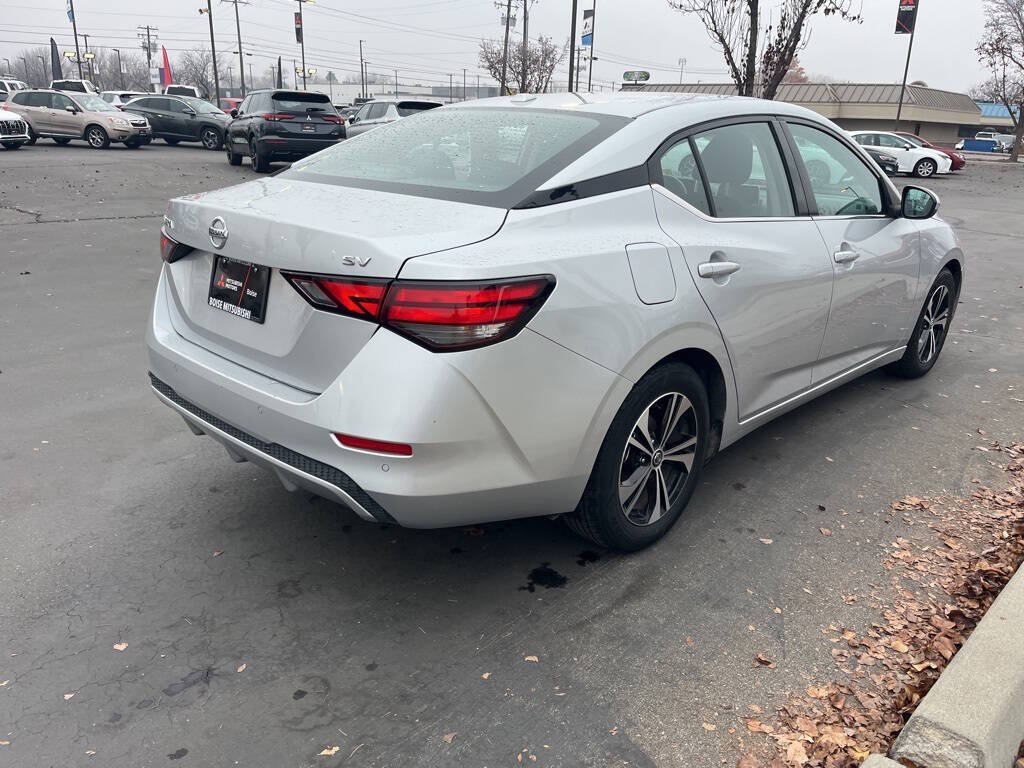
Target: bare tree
<point>542,57</point>
<point>195,67</point>
<point>1002,49</point>
<point>759,51</point>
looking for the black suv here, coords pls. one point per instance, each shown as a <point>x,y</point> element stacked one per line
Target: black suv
<point>182,118</point>
<point>282,125</point>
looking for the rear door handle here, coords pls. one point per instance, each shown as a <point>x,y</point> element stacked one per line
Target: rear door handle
<point>846,256</point>
<point>717,268</point>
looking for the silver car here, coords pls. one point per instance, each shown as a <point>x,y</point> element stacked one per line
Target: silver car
<point>374,114</point>
<point>542,305</point>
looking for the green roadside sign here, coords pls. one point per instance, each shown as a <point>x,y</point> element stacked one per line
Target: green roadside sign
<point>636,76</point>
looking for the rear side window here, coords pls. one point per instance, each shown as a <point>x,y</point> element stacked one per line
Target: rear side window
<point>486,155</point>
<point>377,111</point>
<point>679,175</point>
<point>842,183</point>
<point>406,108</point>
<point>744,170</point>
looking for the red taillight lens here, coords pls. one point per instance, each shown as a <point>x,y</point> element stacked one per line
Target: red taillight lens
<point>171,250</point>
<point>276,116</point>
<point>356,298</point>
<point>377,446</point>
<point>463,315</point>
<point>441,316</point>
<point>331,119</point>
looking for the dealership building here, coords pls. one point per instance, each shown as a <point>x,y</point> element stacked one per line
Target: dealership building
<point>942,117</point>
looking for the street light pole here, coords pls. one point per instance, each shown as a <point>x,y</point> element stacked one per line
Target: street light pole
<point>241,61</point>
<point>526,45</point>
<point>451,95</point>
<point>682,63</point>
<point>87,55</point>
<point>362,71</point>
<point>120,69</point>
<point>504,55</point>
<point>302,44</point>
<point>74,27</point>
<point>593,31</point>
<point>25,62</point>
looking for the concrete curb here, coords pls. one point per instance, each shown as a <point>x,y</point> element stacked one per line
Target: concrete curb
<point>973,717</point>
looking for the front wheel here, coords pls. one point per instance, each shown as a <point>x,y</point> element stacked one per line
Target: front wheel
<point>925,168</point>
<point>133,144</point>
<point>31,136</point>
<point>210,137</point>
<point>172,142</point>
<point>97,137</point>
<point>649,463</point>
<point>930,332</point>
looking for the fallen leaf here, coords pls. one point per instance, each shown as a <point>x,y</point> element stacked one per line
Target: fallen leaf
<point>709,727</point>
<point>898,645</point>
<point>825,531</point>
<point>859,754</point>
<point>486,675</point>
<point>795,753</point>
<point>689,642</point>
<point>218,552</point>
<point>764,661</point>
<point>328,751</point>
<point>448,738</point>
<point>68,696</point>
<point>755,709</point>
<point>120,646</point>
<point>817,693</point>
<point>767,541</point>
<point>241,668</point>
<point>756,726</point>
<point>748,760</point>
<point>534,659</point>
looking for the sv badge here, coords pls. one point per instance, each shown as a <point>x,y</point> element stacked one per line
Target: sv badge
<point>355,261</point>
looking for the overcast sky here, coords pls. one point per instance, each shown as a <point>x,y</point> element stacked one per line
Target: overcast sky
<point>429,39</point>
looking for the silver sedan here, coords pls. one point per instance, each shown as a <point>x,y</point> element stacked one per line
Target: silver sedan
<point>543,305</point>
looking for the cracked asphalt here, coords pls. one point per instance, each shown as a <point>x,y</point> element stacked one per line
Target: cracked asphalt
<point>259,627</point>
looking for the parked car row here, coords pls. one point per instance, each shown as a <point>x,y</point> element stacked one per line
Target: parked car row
<point>64,117</point>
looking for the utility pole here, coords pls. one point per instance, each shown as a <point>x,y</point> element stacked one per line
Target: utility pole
<point>25,62</point>
<point>213,52</point>
<point>231,79</point>
<point>682,63</point>
<point>252,80</point>
<point>74,26</point>
<point>120,69</point>
<point>148,45</point>
<point>302,44</point>
<point>241,61</point>
<point>451,96</point>
<point>579,57</point>
<point>362,71</point>
<point>295,75</point>
<point>593,31</point>
<point>463,84</point>
<point>572,46</point>
<point>526,45</point>
<point>504,55</point>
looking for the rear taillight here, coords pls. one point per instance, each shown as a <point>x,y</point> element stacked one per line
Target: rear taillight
<point>331,119</point>
<point>172,250</point>
<point>441,316</point>
<point>278,116</point>
<point>377,446</point>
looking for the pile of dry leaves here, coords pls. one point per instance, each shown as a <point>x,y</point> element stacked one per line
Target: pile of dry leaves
<point>886,670</point>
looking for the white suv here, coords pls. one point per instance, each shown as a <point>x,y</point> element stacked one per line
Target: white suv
<point>13,129</point>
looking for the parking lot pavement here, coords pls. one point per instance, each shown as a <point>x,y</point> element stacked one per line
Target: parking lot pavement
<point>161,605</point>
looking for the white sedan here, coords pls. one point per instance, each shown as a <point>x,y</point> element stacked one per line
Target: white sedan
<point>922,162</point>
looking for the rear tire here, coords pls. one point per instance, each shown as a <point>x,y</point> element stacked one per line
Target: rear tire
<point>97,137</point>
<point>260,162</point>
<point>62,142</point>
<point>233,159</point>
<point>649,463</point>
<point>210,138</point>
<point>930,331</point>
<point>133,144</point>
<point>925,168</point>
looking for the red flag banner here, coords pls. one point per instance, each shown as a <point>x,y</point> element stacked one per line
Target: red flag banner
<point>167,77</point>
<point>298,28</point>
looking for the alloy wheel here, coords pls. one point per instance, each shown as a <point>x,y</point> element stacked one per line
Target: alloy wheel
<point>657,459</point>
<point>926,168</point>
<point>96,137</point>
<point>210,139</point>
<point>934,321</point>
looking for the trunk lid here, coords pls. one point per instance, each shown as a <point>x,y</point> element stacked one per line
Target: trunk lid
<point>303,226</point>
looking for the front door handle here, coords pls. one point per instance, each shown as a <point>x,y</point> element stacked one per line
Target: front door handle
<point>717,268</point>
<point>845,256</point>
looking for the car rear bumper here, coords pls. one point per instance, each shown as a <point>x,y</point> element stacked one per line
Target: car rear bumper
<point>500,432</point>
<point>293,147</point>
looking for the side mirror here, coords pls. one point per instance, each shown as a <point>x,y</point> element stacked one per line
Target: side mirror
<point>190,112</point>
<point>918,203</point>
<point>233,113</point>
<point>70,109</point>
<point>353,119</point>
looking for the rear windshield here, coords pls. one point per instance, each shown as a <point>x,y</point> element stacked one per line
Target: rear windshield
<point>486,155</point>
<point>406,108</point>
<point>302,102</point>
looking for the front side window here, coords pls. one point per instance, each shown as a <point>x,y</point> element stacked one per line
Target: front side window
<point>175,106</point>
<point>680,176</point>
<point>60,101</point>
<point>842,183</point>
<point>244,106</point>
<point>487,155</point>
<point>363,112</point>
<point>894,142</point>
<point>745,172</point>
<point>93,103</point>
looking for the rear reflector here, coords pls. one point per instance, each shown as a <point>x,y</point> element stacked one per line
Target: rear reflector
<point>441,316</point>
<point>377,446</point>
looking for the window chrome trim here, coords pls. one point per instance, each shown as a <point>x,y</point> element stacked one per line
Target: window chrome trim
<point>673,197</point>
